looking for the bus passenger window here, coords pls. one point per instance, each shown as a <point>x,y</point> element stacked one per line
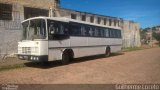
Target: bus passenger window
<point>99,32</point>
<point>51,29</point>
<point>87,31</point>
<point>96,32</point>
<point>106,31</point>
<point>75,30</point>
<point>92,32</point>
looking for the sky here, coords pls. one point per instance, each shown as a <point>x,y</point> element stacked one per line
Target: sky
<point>145,12</point>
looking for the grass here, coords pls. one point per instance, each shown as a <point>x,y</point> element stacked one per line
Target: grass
<point>22,65</point>
<point>9,67</point>
<point>132,49</point>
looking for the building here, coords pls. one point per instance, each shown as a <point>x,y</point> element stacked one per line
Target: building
<point>12,12</point>
<point>90,17</point>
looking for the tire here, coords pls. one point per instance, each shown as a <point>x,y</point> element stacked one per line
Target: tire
<point>65,58</point>
<point>108,52</point>
<point>71,56</point>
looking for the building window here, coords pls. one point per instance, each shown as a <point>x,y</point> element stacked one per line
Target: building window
<point>92,19</point>
<point>115,22</point>
<point>110,22</point>
<point>105,21</point>
<point>83,17</point>
<point>99,20</point>
<point>57,1</point>
<point>73,16</point>
<point>34,12</point>
<point>118,23</point>
<point>5,12</point>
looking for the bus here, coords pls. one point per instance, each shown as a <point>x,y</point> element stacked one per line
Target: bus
<point>59,38</point>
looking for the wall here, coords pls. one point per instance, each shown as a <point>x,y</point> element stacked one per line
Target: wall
<point>67,13</point>
<point>11,30</point>
<point>131,34</point>
<point>43,4</point>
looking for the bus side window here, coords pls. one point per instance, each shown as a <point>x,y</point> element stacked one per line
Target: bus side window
<point>75,30</point>
<point>106,31</point>
<point>102,32</point>
<point>99,32</point>
<point>87,31</point>
<point>119,34</point>
<point>65,29</point>
<point>96,32</point>
<point>92,32</point>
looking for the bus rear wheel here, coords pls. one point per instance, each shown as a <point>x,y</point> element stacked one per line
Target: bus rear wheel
<point>108,52</point>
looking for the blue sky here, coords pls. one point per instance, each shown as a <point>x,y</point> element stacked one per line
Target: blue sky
<point>145,12</point>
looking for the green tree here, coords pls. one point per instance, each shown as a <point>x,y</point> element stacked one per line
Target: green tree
<point>157,36</point>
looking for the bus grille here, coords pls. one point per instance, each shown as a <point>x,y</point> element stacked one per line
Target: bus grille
<point>28,50</point>
<point>24,50</point>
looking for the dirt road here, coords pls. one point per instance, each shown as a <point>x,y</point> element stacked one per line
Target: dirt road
<point>131,67</point>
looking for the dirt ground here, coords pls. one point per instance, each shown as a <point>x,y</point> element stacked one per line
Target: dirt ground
<point>137,67</point>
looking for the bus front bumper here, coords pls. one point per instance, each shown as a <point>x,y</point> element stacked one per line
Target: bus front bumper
<point>33,58</point>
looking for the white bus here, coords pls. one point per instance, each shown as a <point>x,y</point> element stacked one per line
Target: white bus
<point>58,38</point>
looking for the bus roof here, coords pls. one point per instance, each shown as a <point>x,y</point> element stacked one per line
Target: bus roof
<point>64,19</point>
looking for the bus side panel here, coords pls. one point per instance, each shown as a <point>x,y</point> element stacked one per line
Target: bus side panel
<point>87,46</point>
<point>98,41</point>
<point>78,41</point>
<point>88,51</point>
<point>116,44</point>
<point>56,48</point>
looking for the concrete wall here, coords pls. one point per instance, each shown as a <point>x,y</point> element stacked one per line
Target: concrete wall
<point>43,4</point>
<point>67,13</point>
<point>131,34</point>
<point>11,30</point>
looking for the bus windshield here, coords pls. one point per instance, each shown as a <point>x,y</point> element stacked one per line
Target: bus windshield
<point>34,29</point>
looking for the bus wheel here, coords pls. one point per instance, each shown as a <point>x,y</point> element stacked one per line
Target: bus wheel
<point>108,52</point>
<point>65,58</point>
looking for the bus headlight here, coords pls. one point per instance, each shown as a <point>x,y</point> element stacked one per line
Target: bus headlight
<point>34,58</point>
<point>31,58</point>
<point>37,58</point>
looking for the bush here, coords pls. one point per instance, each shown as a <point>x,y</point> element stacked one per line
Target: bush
<point>157,37</point>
